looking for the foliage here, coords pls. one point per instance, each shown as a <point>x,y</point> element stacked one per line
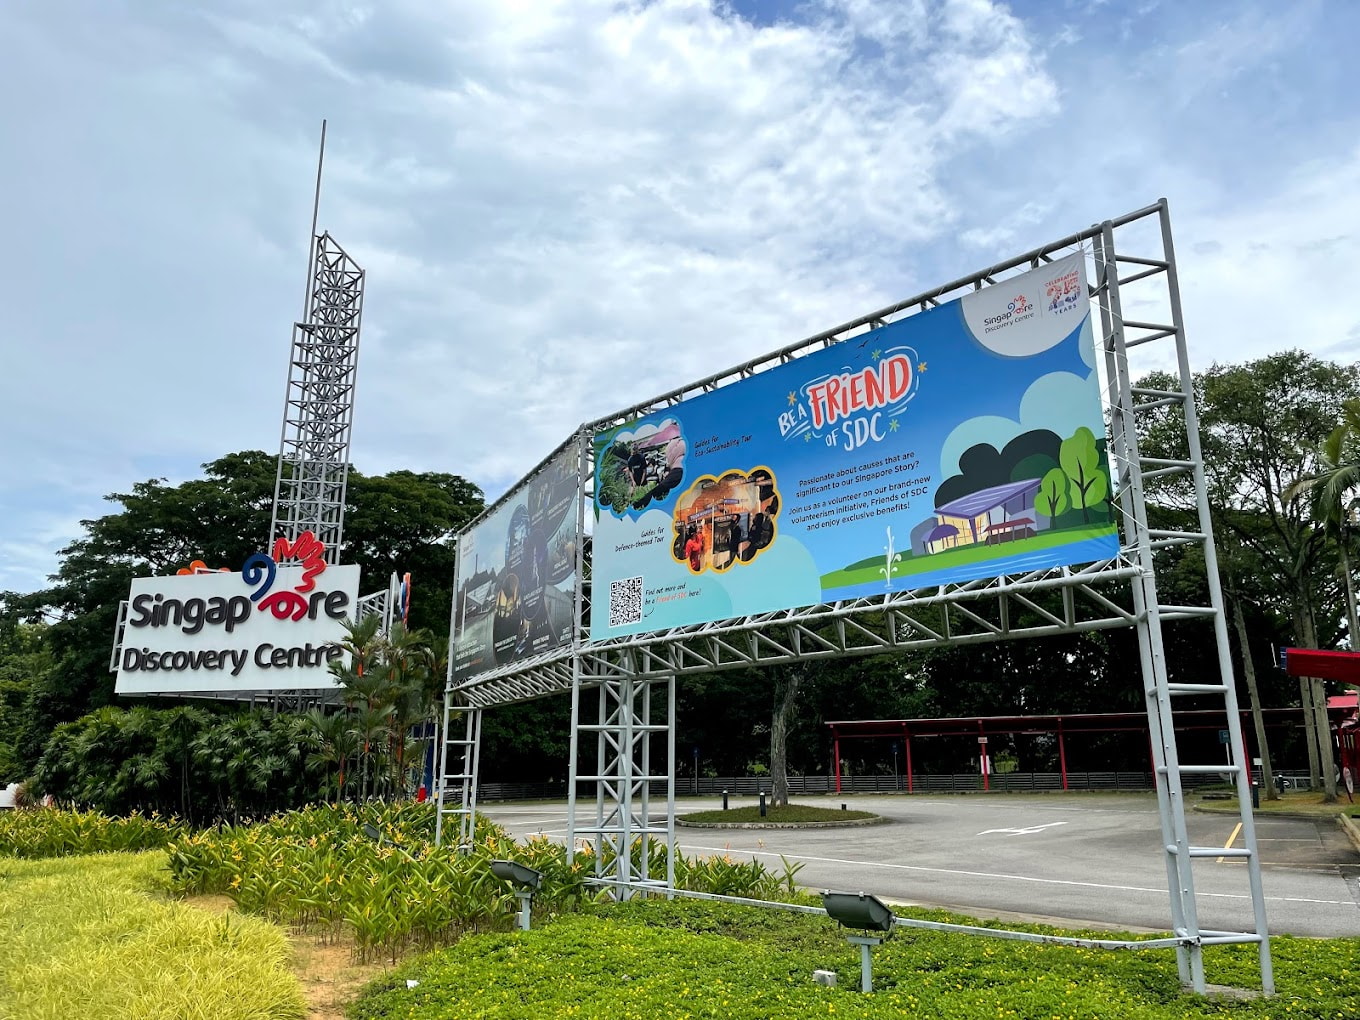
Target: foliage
<point>1081,460</point>
<point>319,868</point>
<point>184,761</point>
<point>50,832</point>
<point>87,937</point>
<point>390,683</point>
<point>778,815</point>
<point>402,521</point>
<point>656,959</point>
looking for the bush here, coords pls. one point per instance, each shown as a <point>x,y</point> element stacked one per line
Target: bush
<point>51,832</point>
<point>657,960</point>
<point>318,868</point>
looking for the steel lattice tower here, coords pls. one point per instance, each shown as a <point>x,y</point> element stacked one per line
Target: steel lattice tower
<point>318,410</point>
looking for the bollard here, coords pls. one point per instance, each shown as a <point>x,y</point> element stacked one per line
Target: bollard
<point>724,800</point>
<point>1255,796</point>
<point>762,803</point>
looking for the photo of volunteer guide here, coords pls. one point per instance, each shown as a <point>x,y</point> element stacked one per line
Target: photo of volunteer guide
<point>642,468</point>
<point>719,522</point>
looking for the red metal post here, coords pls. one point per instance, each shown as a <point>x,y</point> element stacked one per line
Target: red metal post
<point>836,750</point>
<point>982,758</point>
<point>906,739</point>
<point>1062,753</point>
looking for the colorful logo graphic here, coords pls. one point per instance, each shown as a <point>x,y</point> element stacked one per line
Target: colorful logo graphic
<point>851,408</point>
<point>1064,292</point>
<point>261,570</point>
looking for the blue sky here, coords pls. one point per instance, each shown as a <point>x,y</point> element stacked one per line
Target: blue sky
<point>567,206</point>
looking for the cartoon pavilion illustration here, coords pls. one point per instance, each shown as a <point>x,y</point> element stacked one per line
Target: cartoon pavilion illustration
<point>1001,513</point>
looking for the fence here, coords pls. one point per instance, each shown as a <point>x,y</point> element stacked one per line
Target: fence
<point>969,782</point>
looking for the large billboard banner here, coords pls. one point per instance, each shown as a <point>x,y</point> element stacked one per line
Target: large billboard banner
<point>515,592</point>
<point>273,626</point>
<point>962,443</point>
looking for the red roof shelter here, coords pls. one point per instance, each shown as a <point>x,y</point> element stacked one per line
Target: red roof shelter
<point>980,728</point>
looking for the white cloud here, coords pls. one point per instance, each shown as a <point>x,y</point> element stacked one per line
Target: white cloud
<point>566,207</point>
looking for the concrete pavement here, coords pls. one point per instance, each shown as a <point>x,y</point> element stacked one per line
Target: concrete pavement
<point>1089,860</point>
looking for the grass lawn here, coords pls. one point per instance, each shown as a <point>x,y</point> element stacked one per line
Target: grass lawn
<point>1303,803</point>
<point>94,937</point>
<point>658,960</point>
<point>776,815</point>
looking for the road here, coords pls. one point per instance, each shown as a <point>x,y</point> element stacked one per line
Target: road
<point>1088,859</point>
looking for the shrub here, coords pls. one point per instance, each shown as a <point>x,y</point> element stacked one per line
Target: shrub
<point>51,832</point>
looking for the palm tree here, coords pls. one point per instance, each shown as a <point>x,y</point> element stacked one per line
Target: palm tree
<point>1332,489</point>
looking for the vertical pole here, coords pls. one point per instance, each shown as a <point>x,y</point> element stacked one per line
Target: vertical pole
<point>670,784</point>
<point>584,464</point>
<point>836,763</point>
<point>866,969</point>
<point>906,739</point>
<point>1062,753</point>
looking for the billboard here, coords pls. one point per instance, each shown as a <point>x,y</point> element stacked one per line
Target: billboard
<point>272,626</point>
<point>514,595</point>
<point>962,443</point>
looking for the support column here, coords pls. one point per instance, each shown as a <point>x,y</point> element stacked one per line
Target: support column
<point>1062,753</point>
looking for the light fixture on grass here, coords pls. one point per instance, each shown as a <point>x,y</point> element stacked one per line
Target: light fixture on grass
<point>525,880</point>
<point>865,913</point>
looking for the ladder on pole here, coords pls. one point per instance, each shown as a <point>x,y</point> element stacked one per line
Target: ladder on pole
<point>456,789</point>
<point>1126,402</point>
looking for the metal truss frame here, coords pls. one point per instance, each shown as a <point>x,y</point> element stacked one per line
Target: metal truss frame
<point>1135,266</point>
<point>318,408</point>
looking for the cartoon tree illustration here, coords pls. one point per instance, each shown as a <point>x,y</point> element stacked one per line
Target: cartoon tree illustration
<point>1051,499</point>
<point>1080,461</point>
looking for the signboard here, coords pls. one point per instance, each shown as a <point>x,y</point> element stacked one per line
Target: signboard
<point>273,626</point>
<point>515,591</point>
<point>962,443</point>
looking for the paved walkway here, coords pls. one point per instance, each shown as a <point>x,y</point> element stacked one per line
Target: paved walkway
<point>1083,859</point>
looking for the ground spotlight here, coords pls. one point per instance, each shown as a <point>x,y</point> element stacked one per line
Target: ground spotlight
<point>524,879</point>
<point>865,913</point>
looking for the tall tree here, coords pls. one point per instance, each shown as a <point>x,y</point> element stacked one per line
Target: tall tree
<point>403,521</point>
<point>1261,424</point>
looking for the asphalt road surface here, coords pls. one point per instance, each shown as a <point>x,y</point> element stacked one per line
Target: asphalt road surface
<point>1088,859</point>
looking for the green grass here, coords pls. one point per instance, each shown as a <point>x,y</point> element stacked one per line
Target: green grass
<point>777,815</point>
<point>1305,802</point>
<point>871,569</point>
<point>94,937</point>
<point>654,960</point>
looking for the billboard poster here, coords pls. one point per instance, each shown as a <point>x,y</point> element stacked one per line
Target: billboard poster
<point>274,625</point>
<point>962,443</point>
<point>515,592</point>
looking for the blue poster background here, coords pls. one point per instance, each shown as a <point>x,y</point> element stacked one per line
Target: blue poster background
<point>964,442</point>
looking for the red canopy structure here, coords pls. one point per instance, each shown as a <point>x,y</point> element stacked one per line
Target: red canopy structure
<point>1341,666</point>
<point>980,728</point>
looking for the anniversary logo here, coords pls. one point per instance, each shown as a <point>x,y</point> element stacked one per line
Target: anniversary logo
<point>276,624</point>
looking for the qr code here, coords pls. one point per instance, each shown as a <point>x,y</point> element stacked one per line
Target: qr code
<point>625,602</point>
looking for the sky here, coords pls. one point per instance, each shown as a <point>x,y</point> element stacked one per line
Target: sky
<point>568,206</point>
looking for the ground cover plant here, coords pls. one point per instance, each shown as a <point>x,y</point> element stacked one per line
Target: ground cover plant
<point>776,815</point>
<point>52,832</point>
<point>322,869</point>
<point>97,937</point>
<point>652,959</point>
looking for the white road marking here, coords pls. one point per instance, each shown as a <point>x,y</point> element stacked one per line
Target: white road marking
<point>1160,890</point>
<point>1027,831</point>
